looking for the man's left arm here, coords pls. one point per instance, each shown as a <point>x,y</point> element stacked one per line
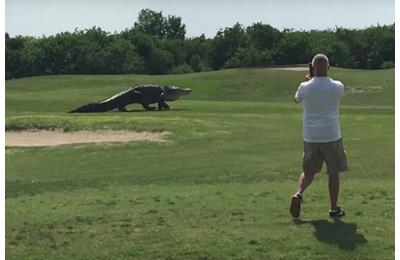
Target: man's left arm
<point>341,89</point>
<point>298,95</point>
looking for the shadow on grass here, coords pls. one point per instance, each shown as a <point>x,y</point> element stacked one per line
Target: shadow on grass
<point>339,233</point>
<point>156,110</point>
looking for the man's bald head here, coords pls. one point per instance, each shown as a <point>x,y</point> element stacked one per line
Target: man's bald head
<point>320,63</point>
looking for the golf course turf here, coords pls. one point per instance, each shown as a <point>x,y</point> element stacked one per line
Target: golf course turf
<point>218,187</point>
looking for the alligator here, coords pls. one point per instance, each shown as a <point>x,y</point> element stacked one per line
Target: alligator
<point>141,94</point>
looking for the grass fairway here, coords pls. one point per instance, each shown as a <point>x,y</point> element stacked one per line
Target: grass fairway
<point>219,188</point>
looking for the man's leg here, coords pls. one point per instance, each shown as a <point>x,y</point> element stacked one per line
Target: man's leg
<point>336,162</point>
<point>305,180</point>
<point>312,163</point>
<point>334,189</point>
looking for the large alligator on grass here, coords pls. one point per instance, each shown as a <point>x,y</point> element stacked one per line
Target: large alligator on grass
<point>140,94</point>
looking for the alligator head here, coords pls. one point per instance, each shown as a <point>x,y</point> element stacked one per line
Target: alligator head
<point>172,93</point>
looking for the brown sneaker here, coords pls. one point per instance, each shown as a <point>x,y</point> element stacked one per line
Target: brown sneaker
<point>295,205</point>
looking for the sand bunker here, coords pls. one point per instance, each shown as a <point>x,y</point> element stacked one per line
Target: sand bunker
<point>30,138</point>
<point>291,68</point>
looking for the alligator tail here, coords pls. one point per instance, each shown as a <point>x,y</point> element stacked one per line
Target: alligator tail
<point>91,108</point>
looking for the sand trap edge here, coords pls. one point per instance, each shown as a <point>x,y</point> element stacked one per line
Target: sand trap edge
<point>44,138</point>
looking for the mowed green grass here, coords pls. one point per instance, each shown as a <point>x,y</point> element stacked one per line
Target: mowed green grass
<point>218,188</point>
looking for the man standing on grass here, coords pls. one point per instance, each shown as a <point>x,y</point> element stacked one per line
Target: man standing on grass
<point>321,131</point>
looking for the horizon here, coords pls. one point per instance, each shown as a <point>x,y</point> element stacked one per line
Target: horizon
<point>194,36</point>
<point>45,18</point>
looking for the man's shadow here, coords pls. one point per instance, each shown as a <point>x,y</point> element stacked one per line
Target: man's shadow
<point>339,233</point>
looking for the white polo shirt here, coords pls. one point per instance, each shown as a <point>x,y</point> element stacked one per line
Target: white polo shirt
<point>321,99</point>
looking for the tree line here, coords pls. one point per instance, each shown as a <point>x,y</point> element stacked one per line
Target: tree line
<point>158,45</point>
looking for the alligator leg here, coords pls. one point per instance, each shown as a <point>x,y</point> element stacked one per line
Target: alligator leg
<point>147,107</point>
<point>162,105</point>
<point>122,109</point>
<point>165,105</point>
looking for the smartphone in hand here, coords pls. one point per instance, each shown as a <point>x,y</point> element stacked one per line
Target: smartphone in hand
<point>310,74</point>
<point>311,70</point>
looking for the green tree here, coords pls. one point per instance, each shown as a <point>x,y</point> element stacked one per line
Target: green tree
<point>293,48</point>
<point>151,22</point>
<point>121,57</point>
<point>174,28</point>
<point>198,53</point>
<point>263,36</point>
<point>339,54</point>
<point>175,48</point>
<point>159,62</point>
<point>157,45</point>
<point>21,57</point>
<point>226,43</point>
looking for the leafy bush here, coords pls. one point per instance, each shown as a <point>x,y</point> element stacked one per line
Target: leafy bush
<point>181,69</point>
<point>388,64</point>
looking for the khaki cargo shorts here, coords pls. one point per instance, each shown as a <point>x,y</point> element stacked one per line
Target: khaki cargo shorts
<point>332,153</point>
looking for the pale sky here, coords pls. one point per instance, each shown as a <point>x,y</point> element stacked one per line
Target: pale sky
<point>47,17</point>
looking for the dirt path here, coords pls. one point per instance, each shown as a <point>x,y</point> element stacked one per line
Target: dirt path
<point>32,138</point>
